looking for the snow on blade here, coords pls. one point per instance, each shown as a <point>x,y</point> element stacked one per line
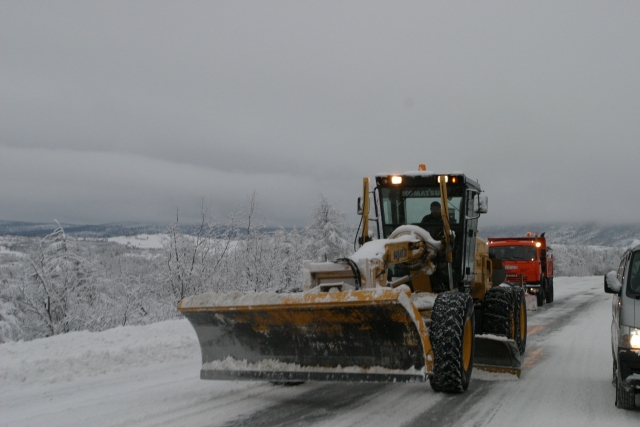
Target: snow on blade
<point>423,301</point>
<point>495,337</point>
<point>479,374</point>
<point>270,365</point>
<point>235,298</point>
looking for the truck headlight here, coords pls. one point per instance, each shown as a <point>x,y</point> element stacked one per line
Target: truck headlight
<point>629,337</point>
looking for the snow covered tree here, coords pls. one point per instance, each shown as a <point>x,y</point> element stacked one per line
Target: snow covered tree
<point>55,294</point>
<point>326,233</point>
<point>244,269</point>
<point>9,324</point>
<point>192,260</point>
<point>260,260</point>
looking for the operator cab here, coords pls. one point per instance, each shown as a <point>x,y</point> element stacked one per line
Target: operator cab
<point>407,199</point>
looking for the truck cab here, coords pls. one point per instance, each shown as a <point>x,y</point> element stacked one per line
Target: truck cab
<point>527,259</point>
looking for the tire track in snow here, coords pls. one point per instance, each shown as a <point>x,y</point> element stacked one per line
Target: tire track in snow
<point>535,352</point>
<point>313,406</point>
<point>447,411</point>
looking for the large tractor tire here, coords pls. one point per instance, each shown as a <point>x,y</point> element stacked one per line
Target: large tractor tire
<point>498,318</point>
<point>452,339</point>
<point>625,399</point>
<point>520,316</point>
<point>549,293</point>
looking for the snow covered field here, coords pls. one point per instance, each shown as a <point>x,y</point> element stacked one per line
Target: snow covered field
<point>149,376</point>
<point>141,241</point>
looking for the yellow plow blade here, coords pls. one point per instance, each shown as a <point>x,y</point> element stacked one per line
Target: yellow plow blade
<point>366,335</point>
<point>497,354</point>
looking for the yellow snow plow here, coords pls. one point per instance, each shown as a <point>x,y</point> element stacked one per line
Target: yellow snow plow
<point>418,303</point>
<point>365,335</point>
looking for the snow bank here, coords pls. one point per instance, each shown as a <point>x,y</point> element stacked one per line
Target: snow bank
<point>65,357</point>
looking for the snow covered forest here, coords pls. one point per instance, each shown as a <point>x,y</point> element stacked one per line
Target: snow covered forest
<point>58,284</point>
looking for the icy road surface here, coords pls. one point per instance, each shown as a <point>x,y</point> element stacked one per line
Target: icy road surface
<point>149,376</point>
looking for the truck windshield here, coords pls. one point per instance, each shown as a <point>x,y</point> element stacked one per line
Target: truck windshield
<point>518,253</point>
<point>410,205</point>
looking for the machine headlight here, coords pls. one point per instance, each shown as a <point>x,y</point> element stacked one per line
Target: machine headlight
<point>629,337</point>
<point>634,340</point>
<point>396,179</point>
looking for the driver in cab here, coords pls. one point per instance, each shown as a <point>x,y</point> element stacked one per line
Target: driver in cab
<point>433,222</point>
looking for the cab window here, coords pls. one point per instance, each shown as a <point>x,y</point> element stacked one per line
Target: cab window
<point>633,285</point>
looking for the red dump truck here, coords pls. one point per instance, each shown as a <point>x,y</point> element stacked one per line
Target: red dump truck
<point>527,257</point>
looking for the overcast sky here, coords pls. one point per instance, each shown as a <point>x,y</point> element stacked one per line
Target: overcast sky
<point>123,111</point>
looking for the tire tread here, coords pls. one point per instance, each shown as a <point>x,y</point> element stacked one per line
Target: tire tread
<point>446,333</point>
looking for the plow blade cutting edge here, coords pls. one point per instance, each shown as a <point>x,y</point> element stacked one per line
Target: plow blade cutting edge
<point>497,354</point>
<point>365,335</point>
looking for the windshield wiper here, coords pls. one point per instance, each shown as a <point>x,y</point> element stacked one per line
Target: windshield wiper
<point>402,199</point>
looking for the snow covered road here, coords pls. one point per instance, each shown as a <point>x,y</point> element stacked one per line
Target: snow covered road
<point>149,376</point>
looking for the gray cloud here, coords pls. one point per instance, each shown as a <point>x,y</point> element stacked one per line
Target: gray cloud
<point>153,105</point>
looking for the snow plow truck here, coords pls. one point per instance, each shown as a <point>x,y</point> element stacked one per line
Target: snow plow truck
<point>421,301</point>
<point>528,260</point>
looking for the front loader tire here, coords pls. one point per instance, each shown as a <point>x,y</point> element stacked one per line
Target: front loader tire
<point>520,316</point>
<point>452,339</point>
<point>498,317</point>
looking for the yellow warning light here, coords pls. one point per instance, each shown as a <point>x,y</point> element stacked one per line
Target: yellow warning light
<point>396,179</point>
<point>422,167</point>
<point>453,179</point>
<point>528,234</point>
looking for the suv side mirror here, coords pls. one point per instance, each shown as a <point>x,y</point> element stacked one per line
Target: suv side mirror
<point>360,209</point>
<point>480,204</point>
<point>611,283</point>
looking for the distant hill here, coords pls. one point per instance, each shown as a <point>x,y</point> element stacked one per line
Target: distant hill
<point>572,234</point>
<point>564,234</point>
<point>19,228</point>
